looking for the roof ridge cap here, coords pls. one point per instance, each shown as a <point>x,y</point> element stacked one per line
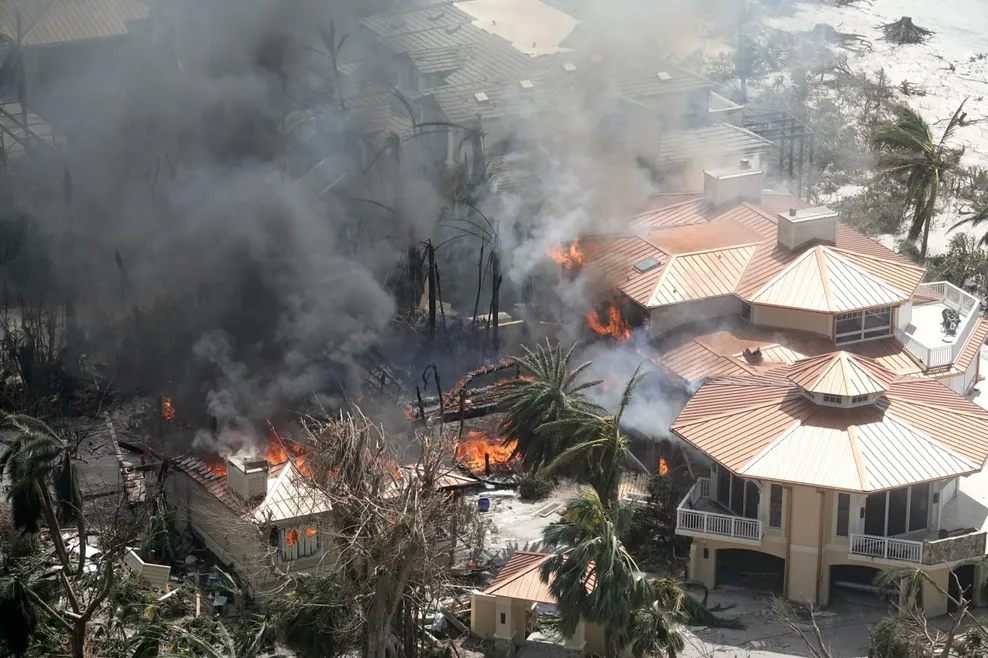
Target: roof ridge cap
<point>852,438</point>
<point>890,413</point>
<point>903,263</point>
<point>778,277</point>
<point>821,262</point>
<point>863,272</point>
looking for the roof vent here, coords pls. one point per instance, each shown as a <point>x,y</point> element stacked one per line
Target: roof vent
<point>792,212</point>
<point>569,67</point>
<point>799,227</point>
<point>450,29</point>
<point>481,97</point>
<point>664,76</point>
<point>745,163</point>
<point>436,15</point>
<point>646,264</point>
<point>527,84</point>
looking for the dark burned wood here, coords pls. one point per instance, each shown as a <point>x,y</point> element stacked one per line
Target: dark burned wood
<point>904,31</point>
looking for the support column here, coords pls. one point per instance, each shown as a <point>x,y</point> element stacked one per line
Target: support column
<point>577,641</point>
<point>934,602</point>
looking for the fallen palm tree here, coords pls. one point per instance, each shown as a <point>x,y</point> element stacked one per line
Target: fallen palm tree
<point>904,31</point>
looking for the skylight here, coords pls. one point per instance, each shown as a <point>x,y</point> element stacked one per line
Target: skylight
<point>481,97</point>
<point>527,84</point>
<point>646,264</point>
<point>664,76</point>
<point>569,67</point>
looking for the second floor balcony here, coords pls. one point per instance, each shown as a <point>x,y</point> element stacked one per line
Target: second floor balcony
<point>699,515</point>
<point>927,335</point>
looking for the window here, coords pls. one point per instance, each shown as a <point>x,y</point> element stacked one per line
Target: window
<point>298,542</point>
<point>898,511</point>
<point>738,495</point>
<point>833,399</point>
<point>775,506</point>
<point>746,311</point>
<point>504,618</point>
<point>858,399</point>
<point>843,513</point>
<point>864,325</point>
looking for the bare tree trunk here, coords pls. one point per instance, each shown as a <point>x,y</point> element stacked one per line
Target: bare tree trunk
<point>432,294</point>
<point>495,301</point>
<point>56,532</point>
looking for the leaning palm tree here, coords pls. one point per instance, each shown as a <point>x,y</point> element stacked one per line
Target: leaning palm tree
<point>546,392</point>
<point>36,462</point>
<point>594,579</point>
<point>909,154</point>
<point>598,446</point>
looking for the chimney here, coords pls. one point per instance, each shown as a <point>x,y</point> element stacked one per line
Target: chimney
<point>247,477</point>
<point>799,227</point>
<point>726,187</point>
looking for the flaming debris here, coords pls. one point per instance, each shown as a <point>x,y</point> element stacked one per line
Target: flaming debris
<point>481,453</point>
<point>167,409</point>
<point>615,325</point>
<point>569,258</point>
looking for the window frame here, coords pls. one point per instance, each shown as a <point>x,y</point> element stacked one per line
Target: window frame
<point>858,399</point>
<point>837,516</point>
<point>775,514</point>
<point>746,311</point>
<point>833,399</point>
<point>864,332</point>
<point>312,548</point>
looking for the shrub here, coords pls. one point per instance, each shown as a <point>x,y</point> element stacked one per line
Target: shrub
<point>534,487</point>
<point>889,639</point>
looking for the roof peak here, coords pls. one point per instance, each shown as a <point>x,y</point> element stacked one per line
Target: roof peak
<point>841,374</point>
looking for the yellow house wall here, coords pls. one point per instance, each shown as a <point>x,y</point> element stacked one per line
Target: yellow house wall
<point>482,615</point>
<point>785,318</point>
<point>803,570</point>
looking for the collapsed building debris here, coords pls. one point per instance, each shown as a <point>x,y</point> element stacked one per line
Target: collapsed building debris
<point>904,31</point>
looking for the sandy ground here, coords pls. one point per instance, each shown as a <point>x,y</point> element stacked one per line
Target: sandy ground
<point>531,26</point>
<point>951,66</point>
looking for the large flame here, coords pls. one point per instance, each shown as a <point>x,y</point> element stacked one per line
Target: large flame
<point>279,452</point>
<point>615,326</point>
<point>568,257</point>
<point>216,468</point>
<point>477,448</point>
<point>167,409</point>
<point>663,466</point>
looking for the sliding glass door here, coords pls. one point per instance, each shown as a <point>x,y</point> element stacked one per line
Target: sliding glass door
<point>898,511</point>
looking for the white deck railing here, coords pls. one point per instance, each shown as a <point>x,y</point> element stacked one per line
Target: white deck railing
<point>690,521</point>
<point>966,306</point>
<point>887,548</point>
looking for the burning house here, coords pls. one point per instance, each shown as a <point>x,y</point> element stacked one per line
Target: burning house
<point>829,413</point>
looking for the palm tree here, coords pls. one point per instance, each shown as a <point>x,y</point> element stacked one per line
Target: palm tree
<point>597,443</point>
<point>36,459</point>
<point>909,154</point>
<point>621,600</point>
<point>546,393</point>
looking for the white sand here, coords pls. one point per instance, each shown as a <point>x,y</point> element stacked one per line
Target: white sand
<point>960,27</point>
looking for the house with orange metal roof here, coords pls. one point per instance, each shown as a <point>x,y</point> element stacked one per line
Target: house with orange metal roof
<point>736,280</point>
<point>505,611</point>
<point>829,427</point>
<point>828,470</point>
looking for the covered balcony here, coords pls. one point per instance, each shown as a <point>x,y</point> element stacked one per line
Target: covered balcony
<point>699,515</point>
<point>926,335</point>
<point>911,525</point>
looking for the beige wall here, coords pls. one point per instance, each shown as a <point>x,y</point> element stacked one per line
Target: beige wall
<point>785,318</point>
<point>669,317</point>
<point>803,571</point>
<point>482,615</point>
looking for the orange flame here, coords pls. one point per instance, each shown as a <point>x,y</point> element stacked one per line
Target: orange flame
<point>167,410</point>
<point>279,452</point>
<point>475,445</point>
<point>616,326</point>
<point>291,538</point>
<point>569,257</point>
<point>663,466</point>
<point>310,532</point>
<point>216,468</point>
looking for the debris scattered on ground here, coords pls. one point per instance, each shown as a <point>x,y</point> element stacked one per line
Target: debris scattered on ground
<point>829,34</point>
<point>904,31</point>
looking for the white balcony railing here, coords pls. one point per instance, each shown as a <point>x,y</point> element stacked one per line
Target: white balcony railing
<point>952,297</point>
<point>692,521</point>
<point>887,548</point>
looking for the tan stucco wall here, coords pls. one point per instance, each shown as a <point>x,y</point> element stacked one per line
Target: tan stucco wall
<point>661,320</point>
<point>784,318</point>
<point>595,638</point>
<point>803,564</point>
<point>482,616</point>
